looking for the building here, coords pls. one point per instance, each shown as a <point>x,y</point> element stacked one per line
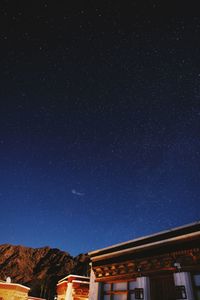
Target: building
<point>163,266</point>
<point>73,287</point>
<point>13,291</point>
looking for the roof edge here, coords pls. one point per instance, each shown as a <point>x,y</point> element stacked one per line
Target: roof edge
<point>164,232</point>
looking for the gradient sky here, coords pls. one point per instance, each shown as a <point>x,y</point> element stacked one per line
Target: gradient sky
<point>99,122</point>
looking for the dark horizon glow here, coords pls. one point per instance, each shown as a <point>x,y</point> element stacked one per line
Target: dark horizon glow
<point>99,123</point>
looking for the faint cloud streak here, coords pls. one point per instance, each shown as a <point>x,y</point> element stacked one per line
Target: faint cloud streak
<point>74,192</point>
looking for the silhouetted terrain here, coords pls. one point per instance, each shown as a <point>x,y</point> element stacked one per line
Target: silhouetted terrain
<point>39,268</point>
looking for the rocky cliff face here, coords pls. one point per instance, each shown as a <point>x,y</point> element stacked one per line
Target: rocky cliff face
<point>39,268</point>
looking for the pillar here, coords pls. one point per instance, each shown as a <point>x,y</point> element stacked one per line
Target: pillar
<point>94,292</point>
<point>184,278</point>
<point>68,295</point>
<point>143,283</point>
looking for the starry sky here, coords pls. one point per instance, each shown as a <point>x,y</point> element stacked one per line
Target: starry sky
<point>99,121</point>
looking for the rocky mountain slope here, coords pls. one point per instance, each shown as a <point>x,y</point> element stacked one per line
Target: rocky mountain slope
<point>39,268</point>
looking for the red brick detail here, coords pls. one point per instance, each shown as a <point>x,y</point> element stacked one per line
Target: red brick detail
<point>8,286</point>
<point>76,285</point>
<point>81,292</point>
<point>61,288</point>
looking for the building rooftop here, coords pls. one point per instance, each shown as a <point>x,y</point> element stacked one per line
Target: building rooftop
<point>74,277</point>
<point>189,231</point>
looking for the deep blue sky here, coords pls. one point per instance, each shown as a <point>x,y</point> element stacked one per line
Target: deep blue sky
<point>99,122</point>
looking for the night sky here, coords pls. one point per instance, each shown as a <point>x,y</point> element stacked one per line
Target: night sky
<point>99,121</point>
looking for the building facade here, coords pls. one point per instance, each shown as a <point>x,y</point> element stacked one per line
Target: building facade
<point>13,291</point>
<point>73,287</point>
<point>164,266</point>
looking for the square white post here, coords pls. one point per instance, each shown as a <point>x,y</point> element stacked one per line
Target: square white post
<point>68,295</point>
<point>143,283</point>
<point>95,287</point>
<point>184,278</point>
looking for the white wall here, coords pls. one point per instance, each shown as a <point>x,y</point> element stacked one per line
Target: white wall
<point>184,278</point>
<point>94,292</point>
